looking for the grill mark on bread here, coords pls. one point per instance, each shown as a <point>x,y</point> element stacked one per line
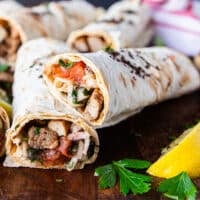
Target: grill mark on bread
<point>112,21</point>
<point>130,12</point>
<point>119,57</point>
<point>121,78</point>
<point>184,80</point>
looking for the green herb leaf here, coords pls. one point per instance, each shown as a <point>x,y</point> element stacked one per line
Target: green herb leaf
<point>129,181</point>
<point>132,182</point>
<point>74,96</point>
<point>37,130</point>
<point>3,67</point>
<point>179,187</point>
<point>109,49</point>
<point>159,42</point>
<point>87,92</point>
<point>107,175</point>
<point>134,164</point>
<point>65,64</point>
<point>34,154</point>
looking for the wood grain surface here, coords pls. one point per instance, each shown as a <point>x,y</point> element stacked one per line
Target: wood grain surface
<point>142,136</point>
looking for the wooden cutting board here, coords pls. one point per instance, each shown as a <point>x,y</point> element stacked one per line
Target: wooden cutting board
<point>142,136</point>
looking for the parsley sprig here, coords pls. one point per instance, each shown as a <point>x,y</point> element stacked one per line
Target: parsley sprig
<point>179,187</point>
<point>129,181</point>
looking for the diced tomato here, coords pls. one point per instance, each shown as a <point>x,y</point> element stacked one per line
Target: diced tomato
<point>74,73</point>
<point>64,146</point>
<point>77,72</point>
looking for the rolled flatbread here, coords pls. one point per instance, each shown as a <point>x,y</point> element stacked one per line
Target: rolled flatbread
<point>126,24</point>
<point>8,6</point>
<point>108,87</point>
<point>55,19</point>
<point>197,61</point>
<point>5,114</point>
<point>4,125</point>
<point>45,134</point>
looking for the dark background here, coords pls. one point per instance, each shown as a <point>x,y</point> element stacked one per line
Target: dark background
<point>104,3</point>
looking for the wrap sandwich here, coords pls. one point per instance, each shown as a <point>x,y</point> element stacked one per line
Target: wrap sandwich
<point>197,61</point>
<point>125,24</point>
<point>55,19</point>
<point>8,6</point>
<point>45,134</point>
<point>108,87</point>
<point>4,124</point>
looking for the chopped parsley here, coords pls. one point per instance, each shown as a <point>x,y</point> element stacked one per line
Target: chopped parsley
<point>109,49</point>
<point>3,67</point>
<point>34,154</point>
<point>74,96</point>
<point>37,130</point>
<point>87,92</point>
<point>65,64</point>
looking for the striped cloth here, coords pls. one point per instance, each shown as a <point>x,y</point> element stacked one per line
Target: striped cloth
<point>177,22</point>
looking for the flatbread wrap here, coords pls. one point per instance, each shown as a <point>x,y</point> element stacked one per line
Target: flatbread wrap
<point>55,19</point>
<point>45,134</point>
<point>8,6</point>
<point>108,87</point>
<point>4,125</point>
<point>126,24</point>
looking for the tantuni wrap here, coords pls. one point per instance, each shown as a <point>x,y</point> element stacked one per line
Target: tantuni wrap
<point>125,24</point>
<point>107,87</point>
<point>5,107</point>
<point>45,134</point>
<point>4,125</point>
<point>55,19</point>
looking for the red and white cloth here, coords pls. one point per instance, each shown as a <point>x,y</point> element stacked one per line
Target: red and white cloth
<point>177,22</point>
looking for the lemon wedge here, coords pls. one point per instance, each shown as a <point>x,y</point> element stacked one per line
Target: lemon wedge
<point>7,107</point>
<point>182,155</point>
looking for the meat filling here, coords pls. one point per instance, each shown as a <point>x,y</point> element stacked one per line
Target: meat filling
<point>89,44</point>
<point>9,41</point>
<point>77,84</point>
<point>56,142</point>
<point>42,138</point>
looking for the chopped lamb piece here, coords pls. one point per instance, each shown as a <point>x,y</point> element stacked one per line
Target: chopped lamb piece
<point>94,105</point>
<point>42,138</point>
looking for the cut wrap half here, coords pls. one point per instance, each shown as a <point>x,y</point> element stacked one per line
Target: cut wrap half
<point>125,24</point>
<point>4,125</point>
<point>54,20</point>
<point>107,87</point>
<point>8,6</point>
<point>45,134</point>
